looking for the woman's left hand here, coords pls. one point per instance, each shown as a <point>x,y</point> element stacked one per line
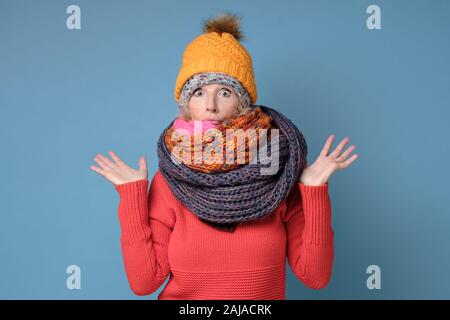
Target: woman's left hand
<point>325,165</point>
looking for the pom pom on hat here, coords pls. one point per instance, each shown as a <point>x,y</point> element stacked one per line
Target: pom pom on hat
<point>225,22</point>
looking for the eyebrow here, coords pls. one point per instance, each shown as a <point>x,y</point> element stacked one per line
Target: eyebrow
<point>220,89</point>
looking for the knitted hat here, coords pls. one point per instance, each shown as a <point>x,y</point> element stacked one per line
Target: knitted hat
<point>218,50</point>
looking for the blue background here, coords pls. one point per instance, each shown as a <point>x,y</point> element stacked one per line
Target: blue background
<point>66,95</point>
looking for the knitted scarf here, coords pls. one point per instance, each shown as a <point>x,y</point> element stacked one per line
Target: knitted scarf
<point>224,194</point>
<point>256,119</point>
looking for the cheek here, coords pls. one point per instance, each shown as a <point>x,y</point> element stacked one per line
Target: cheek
<point>194,106</point>
<point>230,105</point>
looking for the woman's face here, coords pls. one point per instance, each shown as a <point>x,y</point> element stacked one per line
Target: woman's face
<point>213,102</point>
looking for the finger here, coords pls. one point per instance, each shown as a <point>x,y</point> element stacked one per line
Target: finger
<point>105,174</point>
<point>142,164</point>
<point>336,152</point>
<point>344,156</point>
<point>347,162</point>
<point>327,145</point>
<point>98,170</point>
<point>108,162</point>
<point>101,163</point>
<point>116,158</point>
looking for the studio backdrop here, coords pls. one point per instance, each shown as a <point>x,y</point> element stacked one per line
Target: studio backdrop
<point>78,78</point>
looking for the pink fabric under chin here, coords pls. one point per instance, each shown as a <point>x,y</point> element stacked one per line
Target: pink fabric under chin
<point>181,123</point>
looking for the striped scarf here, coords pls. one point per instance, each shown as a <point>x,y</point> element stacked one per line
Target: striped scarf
<point>225,194</point>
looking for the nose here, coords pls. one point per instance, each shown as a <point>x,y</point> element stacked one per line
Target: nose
<point>211,108</point>
<point>211,105</point>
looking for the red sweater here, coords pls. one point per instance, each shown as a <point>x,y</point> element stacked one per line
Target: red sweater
<point>161,238</point>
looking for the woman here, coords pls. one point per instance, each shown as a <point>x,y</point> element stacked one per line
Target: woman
<point>223,229</point>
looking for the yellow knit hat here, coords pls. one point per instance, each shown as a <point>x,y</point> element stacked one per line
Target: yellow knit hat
<point>218,50</point>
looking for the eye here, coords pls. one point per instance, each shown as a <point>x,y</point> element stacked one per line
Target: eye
<point>226,92</point>
<point>197,92</point>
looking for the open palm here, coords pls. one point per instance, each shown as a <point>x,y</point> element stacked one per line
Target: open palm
<point>326,164</point>
<point>117,171</point>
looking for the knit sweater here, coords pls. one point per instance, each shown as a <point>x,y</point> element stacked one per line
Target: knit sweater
<point>161,238</point>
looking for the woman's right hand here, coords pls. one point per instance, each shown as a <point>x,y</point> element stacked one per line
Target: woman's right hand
<point>117,171</point>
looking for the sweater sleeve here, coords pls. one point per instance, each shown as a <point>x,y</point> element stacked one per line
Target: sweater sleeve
<point>310,237</point>
<point>146,221</point>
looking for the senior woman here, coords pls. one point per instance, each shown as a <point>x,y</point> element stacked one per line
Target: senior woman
<point>220,228</point>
